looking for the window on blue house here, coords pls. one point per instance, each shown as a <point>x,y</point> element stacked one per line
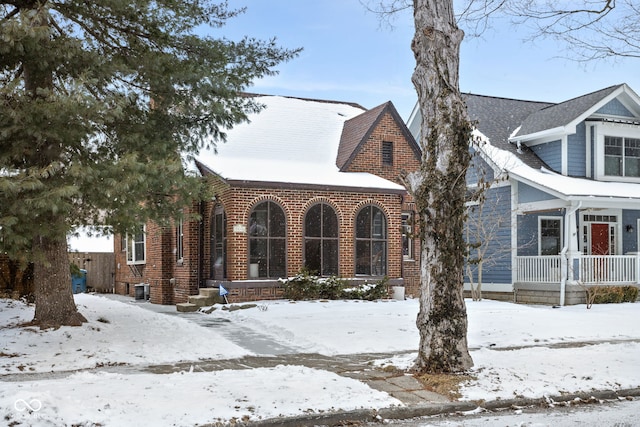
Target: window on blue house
<point>550,236</point>
<point>621,156</point>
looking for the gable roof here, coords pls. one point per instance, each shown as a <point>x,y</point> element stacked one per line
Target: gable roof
<point>292,141</point>
<point>564,113</point>
<point>356,132</point>
<point>499,122</point>
<point>498,118</point>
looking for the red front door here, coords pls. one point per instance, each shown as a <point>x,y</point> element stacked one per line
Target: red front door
<point>600,239</point>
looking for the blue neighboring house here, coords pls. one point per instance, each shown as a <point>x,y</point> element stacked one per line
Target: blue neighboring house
<point>564,204</point>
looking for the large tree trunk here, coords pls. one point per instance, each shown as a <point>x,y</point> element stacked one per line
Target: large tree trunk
<point>55,305</point>
<point>54,298</point>
<point>439,189</point>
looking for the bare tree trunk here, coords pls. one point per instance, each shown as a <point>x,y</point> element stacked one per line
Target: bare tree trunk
<point>439,189</point>
<point>54,298</point>
<point>478,292</point>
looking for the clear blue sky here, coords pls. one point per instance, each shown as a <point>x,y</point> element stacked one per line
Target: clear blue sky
<point>350,56</point>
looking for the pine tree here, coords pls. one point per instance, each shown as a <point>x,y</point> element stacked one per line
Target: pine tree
<point>100,104</point>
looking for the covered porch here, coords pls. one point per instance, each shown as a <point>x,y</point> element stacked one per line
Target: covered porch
<point>580,269</point>
<point>576,244</point>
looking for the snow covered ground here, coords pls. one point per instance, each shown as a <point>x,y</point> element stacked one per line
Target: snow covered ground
<point>518,350</point>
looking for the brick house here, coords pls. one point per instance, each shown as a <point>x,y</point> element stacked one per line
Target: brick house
<point>305,183</point>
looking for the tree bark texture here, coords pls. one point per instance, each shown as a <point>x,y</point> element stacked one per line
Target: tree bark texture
<point>439,189</point>
<point>53,294</point>
<point>55,305</point>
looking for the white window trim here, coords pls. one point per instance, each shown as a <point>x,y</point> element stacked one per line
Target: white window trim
<point>133,260</point>
<point>638,235</point>
<point>615,130</point>
<point>554,218</point>
<point>180,241</point>
<point>410,225</point>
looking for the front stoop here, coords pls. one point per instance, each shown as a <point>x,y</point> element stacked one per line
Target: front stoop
<point>201,300</point>
<point>210,292</point>
<point>186,307</point>
<point>205,298</point>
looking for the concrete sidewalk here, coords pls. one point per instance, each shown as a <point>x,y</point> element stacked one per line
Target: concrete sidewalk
<point>417,400</point>
<point>404,387</point>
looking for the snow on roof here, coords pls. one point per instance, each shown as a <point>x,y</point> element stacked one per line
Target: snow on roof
<point>564,187</point>
<point>577,188</point>
<point>290,141</point>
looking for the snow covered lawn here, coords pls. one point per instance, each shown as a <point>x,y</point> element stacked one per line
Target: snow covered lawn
<point>518,351</point>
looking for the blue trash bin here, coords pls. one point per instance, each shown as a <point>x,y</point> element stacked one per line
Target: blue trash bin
<point>79,282</point>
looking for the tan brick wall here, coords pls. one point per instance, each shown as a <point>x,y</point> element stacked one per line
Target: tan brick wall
<point>295,203</point>
<point>369,158</point>
<point>161,265</point>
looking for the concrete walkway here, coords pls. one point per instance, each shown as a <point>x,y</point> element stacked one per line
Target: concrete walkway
<point>360,367</point>
<point>418,401</point>
<point>403,387</point>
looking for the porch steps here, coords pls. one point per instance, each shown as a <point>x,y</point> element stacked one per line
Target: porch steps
<point>186,307</point>
<point>205,297</point>
<point>202,300</point>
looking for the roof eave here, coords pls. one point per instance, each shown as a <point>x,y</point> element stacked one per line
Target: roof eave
<point>318,187</point>
<point>560,131</point>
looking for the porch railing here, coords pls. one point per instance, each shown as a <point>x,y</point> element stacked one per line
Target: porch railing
<point>538,269</point>
<point>608,269</point>
<point>591,269</point>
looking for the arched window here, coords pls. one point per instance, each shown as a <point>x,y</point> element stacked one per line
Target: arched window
<point>321,240</point>
<point>371,242</point>
<point>218,243</point>
<point>267,241</point>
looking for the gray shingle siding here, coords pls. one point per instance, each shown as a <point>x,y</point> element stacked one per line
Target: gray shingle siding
<point>528,194</point>
<point>497,268</point>
<point>577,153</point>
<point>478,168</point>
<point>551,154</point>
<point>630,239</point>
<point>615,108</point>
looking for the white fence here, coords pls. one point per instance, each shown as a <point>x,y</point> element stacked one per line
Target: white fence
<point>591,269</point>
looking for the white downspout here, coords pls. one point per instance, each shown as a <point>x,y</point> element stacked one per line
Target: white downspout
<point>563,253</point>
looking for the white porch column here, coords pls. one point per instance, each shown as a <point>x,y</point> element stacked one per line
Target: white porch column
<point>570,250</point>
<point>573,251</point>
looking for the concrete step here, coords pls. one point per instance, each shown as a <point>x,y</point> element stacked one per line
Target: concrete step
<point>210,292</point>
<point>201,300</point>
<point>186,307</point>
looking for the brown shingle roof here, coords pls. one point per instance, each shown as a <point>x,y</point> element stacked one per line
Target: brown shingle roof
<point>356,132</point>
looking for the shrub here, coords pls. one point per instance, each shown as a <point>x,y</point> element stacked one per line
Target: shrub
<point>630,294</point>
<point>367,291</point>
<point>307,285</point>
<point>611,294</point>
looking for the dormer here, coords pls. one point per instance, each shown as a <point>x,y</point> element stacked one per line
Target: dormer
<point>594,136</point>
